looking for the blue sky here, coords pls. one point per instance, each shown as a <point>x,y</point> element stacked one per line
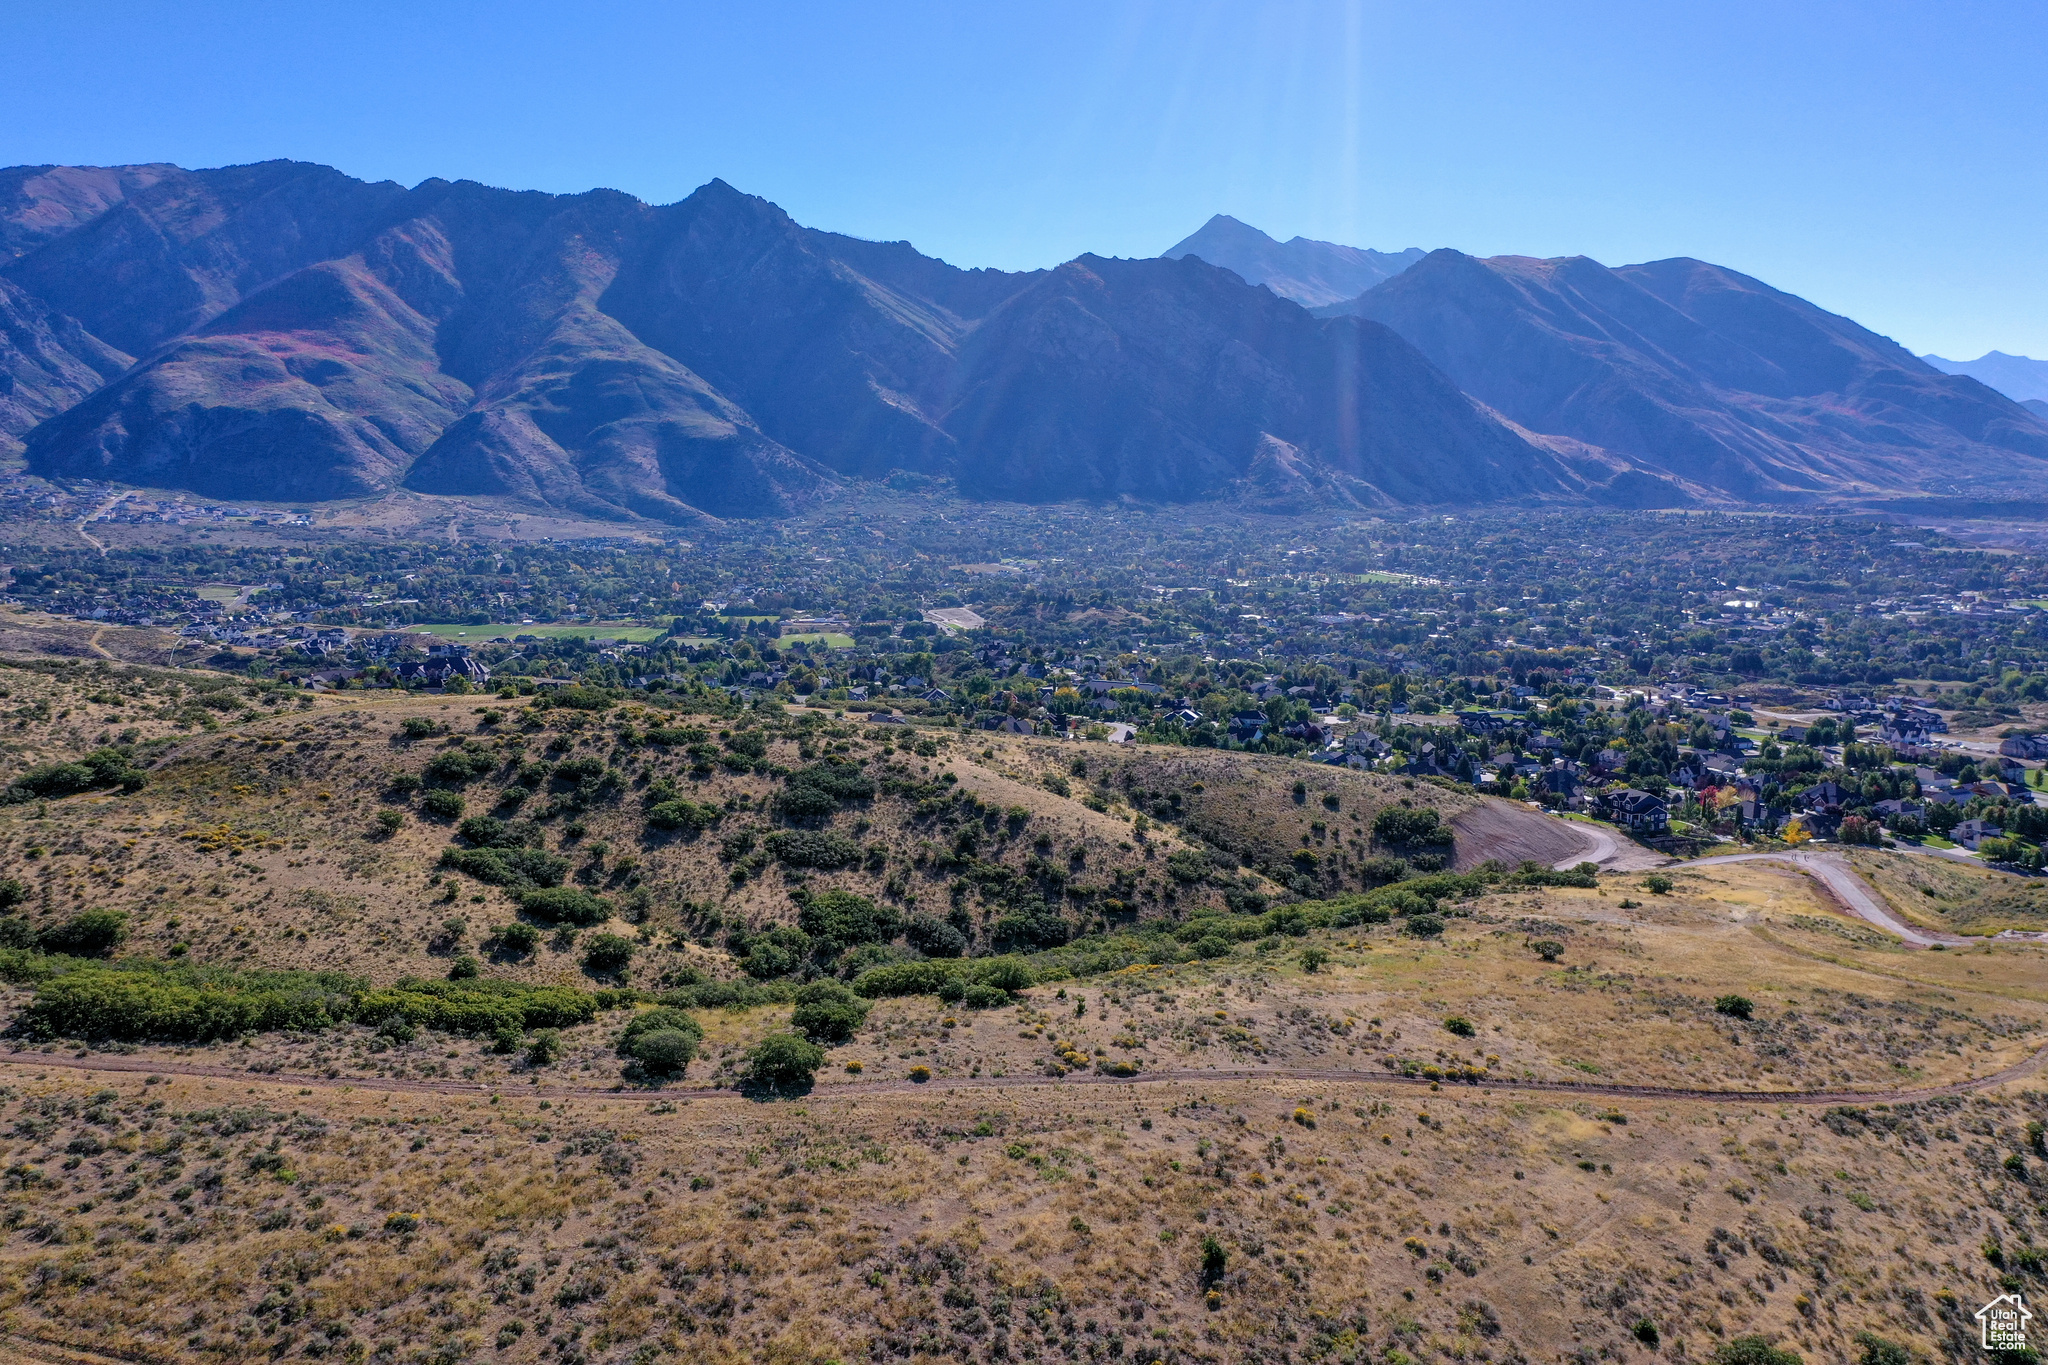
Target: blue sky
<point>1883,159</point>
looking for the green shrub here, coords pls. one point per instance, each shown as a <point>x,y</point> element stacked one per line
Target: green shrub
<point>516,938</point>
<point>783,1060</point>
<point>488,831</point>
<point>1549,949</point>
<point>1406,827</point>
<point>1657,884</point>
<point>1735,1006</point>
<point>1313,959</point>
<point>442,802</point>
<point>934,937</point>
<point>544,1047</point>
<point>812,848</point>
<point>843,919</point>
<point>1425,926</point>
<point>982,996</point>
<point>479,1007</point>
<point>680,814</point>
<point>835,779</point>
<point>607,954</point>
<point>663,1040</point>
<point>566,905</point>
<point>1752,1350</point>
<point>98,770</point>
<point>389,821</point>
<point>803,805</point>
<point>417,727</point>
<point>464,968</point>
<point>1460,1025</point>
<point>827,1012</point>
<point>777,952</point>
<point>182,1004</point>
<point>1006,974</point>
<point>713,995</point>
<point>515,867</point>
<point>95,933</point>
<point>458,766</point>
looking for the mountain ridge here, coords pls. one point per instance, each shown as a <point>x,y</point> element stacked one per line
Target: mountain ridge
<point>2018,377</point>
<point>282,330</point>
<point>1700,373</point>
<point>1309,272</point>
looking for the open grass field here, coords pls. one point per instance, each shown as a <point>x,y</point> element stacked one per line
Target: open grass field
<point>1292,1171</point>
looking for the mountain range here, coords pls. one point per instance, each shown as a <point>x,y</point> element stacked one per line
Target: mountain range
<point>1311,273</point>
<point>2018,377</point>
<point>284,331</point>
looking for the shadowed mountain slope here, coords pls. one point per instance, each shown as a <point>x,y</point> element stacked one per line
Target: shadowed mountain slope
<point>1704,374</point>
<point>303,335</point>
<point>284,331</point>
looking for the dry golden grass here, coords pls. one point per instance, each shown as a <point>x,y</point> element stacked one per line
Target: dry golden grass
<point>1951,894</point>
<point>291,1197</point>
<point>208,1220</point>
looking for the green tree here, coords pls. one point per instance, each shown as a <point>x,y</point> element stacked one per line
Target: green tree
<point>95,933</point>
<point>662,1041</point>
<point>828,1012</point>
<point>783,1061</point>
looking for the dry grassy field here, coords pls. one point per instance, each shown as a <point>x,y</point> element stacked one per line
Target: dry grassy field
<point>1350,1144</point>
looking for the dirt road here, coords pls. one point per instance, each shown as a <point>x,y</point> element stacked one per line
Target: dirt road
<point>1861,899</point>
<point>119,1065</point>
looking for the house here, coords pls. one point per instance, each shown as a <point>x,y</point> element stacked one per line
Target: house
<point>1638,812</point>
<point>2024,746</point>
<point>1971,833</point>
<point>443,664</point>
<point>1825,796</point>
<point>1187,716</point>
<point>935,694</point>
<point>1009,725</point>
<point>1888,811</point>
<point>1248,727</point>
<point>856,694</point>
<point>885,718</point>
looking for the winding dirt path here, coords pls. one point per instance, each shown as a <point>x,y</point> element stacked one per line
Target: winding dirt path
<point>1861,899</point>
<point>1319,1075</point>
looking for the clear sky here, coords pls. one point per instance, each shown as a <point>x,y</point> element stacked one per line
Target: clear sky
<point>1887,160</point>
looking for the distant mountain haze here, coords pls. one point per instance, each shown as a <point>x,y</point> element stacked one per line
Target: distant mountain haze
<point>1309,272</point>
<point>284,331</point>
<point>2016,376</point>
<point>1705,375</point>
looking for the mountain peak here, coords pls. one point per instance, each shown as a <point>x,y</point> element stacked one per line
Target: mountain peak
<point>2018,377</point>
<point>1309,272</point>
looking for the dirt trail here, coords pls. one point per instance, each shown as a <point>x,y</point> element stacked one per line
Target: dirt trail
<point>1860,897</point>
<point>109,505</point>
<point>1319,1075</point>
